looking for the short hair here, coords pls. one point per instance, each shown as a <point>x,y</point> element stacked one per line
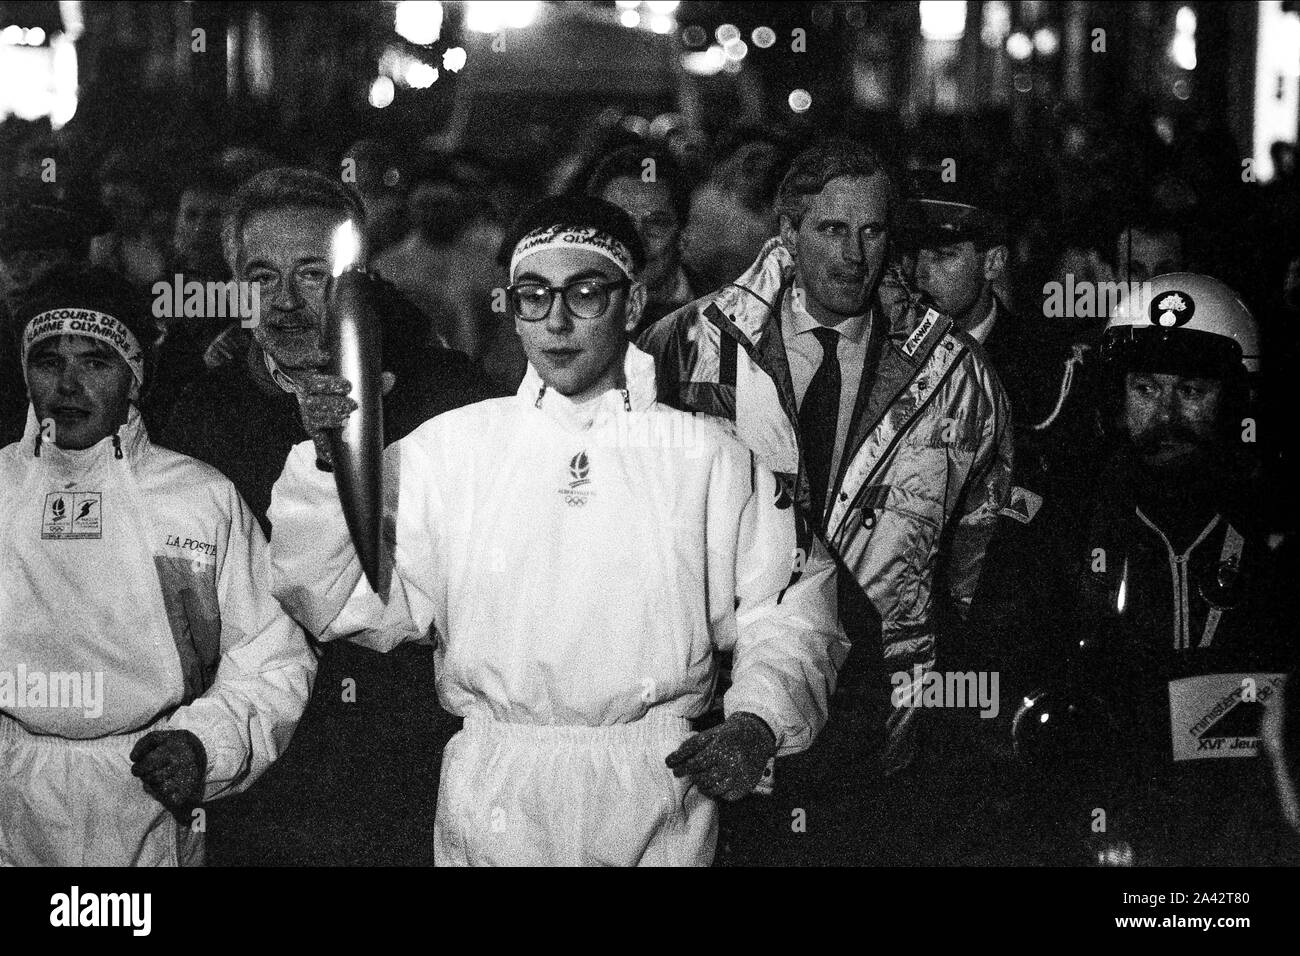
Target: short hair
<point>1151,224</point>
<point>629,162</point>
<point>818,165</point>
<point>209,179</point>
<point>579,212</point>
<point>287,187</point>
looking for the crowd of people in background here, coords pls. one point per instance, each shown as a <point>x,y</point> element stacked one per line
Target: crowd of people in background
<point>980,453</point>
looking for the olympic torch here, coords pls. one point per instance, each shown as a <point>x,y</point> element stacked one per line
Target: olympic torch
<point>353,341</point>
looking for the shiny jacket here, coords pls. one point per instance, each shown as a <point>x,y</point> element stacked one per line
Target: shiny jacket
<point>928,460</point>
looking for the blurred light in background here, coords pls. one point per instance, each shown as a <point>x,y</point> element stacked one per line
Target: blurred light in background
<point>258,56</point>
<point>800,100</point>
<point>419,21</point>
<point>1019,46</point>
<point>653,16</point>
<point>1164,127</point>
<point>73,23</point>
<point>1277,83</point>
<point>407,70</point>
<point>997,23</point>
<point>38,70</point>
<point>65,80</point>
<point>1182,49</point>
<point>705,62</point>
<point>26,82</point>
<point>381,92</point>
<point>453,60</point>
<point>763,37</point>
<point>943,19</point>
<point>636,125</point>
<point>490,16</point>
<point>420,75</point>
<point>1046,42</point>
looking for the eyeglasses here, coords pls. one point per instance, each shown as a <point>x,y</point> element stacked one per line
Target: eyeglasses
<point>584,298</point>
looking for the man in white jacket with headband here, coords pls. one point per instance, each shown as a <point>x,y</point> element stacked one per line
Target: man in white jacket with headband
<point>581,555</point>
<point>144,665</point>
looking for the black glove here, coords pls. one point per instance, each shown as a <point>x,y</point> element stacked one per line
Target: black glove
<point>726,761</point>
<point>324,404</point>
<point>173,766</point>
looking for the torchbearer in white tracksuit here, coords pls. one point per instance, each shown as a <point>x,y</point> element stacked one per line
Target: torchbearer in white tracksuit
<point>144,664</point>
<point>581,555</point>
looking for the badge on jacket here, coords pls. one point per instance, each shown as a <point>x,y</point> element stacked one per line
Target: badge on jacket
<point>71,516</point>
<point>1217,716</point>
<point>1024,504</point>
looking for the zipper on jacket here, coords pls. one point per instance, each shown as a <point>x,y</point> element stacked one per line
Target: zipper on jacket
<point>1178,569</point>
<point>898,437</point>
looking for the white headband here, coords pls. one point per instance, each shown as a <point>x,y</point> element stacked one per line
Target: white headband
<point>94,325</point>
<point>568,237</point>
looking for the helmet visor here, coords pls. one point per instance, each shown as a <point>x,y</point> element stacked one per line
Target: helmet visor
<point>1187,352</point>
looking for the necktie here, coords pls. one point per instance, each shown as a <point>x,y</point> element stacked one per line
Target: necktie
<point>819,416</point>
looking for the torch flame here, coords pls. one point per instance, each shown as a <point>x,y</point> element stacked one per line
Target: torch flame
<point>345,249</point>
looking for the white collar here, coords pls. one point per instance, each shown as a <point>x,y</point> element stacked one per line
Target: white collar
<point>802,320</point>
<point>980,333</point>
<point>131,438</point>
<point>280,376</point>
<point>637,395</point>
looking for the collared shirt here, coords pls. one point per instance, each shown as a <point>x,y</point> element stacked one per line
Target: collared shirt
<point>804,355</point>
<point>980,333</point>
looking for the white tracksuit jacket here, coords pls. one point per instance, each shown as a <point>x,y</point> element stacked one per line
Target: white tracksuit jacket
<point>580,566</point>
<point>133,598</point>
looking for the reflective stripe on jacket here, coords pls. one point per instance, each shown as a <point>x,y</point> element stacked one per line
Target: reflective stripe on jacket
<point>929,456</point>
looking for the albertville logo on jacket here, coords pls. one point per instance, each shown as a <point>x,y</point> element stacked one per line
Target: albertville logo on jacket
<point>594,627</point>
<point>149,576</point>
<point>576,495</point>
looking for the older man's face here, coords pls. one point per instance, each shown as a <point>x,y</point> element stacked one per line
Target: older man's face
<point>287,253</point>
<point>839,246</point>
<point>1171,420</point>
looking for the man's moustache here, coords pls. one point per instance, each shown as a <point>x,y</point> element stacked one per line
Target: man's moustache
<point>1150,441</point>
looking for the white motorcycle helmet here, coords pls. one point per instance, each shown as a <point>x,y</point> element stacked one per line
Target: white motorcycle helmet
<point>1183,323</point>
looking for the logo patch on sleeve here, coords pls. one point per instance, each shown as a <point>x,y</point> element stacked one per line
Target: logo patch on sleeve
<point>70,516</point>
<point>1023,506</point>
